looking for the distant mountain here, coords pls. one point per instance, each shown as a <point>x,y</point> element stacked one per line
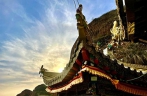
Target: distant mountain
<point>38,91</point>
<point>101,26</point>
<point>25,92</point>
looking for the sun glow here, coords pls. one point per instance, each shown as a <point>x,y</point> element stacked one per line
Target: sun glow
<point>60,70</point>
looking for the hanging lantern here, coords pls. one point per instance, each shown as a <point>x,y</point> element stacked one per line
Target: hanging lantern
<point>106,68</point>
<point>85,55</point>
<point>96,61</point>
<point>79,62</point>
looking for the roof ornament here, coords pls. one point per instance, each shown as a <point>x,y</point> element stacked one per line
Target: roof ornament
<point>42,71</point>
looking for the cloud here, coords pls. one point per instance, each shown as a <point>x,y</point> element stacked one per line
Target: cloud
<point>14,8</point>
<point>46,42</point>
<point>42,39</point>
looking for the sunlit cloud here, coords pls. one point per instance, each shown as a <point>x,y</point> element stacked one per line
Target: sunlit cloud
<point>47,42</point>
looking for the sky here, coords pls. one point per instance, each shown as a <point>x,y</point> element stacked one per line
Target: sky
<point>39,32</point>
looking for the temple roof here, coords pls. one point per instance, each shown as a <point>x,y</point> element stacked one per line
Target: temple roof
<point>113,68</point>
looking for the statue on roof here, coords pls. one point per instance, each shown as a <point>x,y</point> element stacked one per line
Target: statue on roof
<point>42,71</point>
<point>117,32</point>
<point>81,24</point>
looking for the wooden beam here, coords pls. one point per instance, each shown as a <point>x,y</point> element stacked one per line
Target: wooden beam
<point>130,9</point>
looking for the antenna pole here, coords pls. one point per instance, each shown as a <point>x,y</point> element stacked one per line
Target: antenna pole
<point>74,4</point>
<point>78,2</point>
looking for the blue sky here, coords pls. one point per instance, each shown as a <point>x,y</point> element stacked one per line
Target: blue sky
<point>38,32</point>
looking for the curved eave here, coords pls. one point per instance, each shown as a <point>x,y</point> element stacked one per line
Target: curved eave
<point>76,80</point>
<point>50,75</point>
<point>137,67</point>
<point>67,70</point>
